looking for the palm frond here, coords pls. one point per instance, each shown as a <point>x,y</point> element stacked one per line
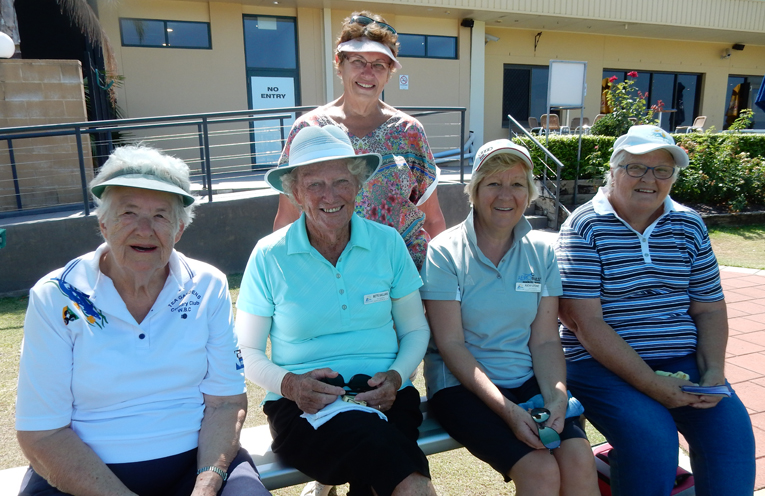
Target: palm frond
<point>83,17</point>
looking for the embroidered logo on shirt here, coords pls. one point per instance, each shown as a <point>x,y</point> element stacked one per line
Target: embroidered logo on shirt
<point>93,315</point>
<point>239,360</point>
<point>185,302</point>
<point>68,315</point>
<point>529,283</point>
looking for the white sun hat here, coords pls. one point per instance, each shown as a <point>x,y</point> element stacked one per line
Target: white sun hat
<point>314,144</point>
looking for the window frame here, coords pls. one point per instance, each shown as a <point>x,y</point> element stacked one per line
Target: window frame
<point>165,32</point>
<point>427,56</point>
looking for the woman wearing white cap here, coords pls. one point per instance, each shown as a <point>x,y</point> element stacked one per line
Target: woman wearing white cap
<point>495,371</point>
<point>338,296</point>
<point>130,379</point>
<point>402,194</point>
<point>642,294</point>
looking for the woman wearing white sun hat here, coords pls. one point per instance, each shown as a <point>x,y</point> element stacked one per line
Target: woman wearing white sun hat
<point>402,194</point>
<point>338,296</point>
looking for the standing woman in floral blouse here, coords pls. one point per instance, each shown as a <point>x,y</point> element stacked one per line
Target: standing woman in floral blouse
<point>402,194</point>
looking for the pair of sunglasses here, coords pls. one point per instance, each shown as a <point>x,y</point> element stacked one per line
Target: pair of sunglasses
<point>365,21</point>
<point>547,435</point>
<point>358,383</point>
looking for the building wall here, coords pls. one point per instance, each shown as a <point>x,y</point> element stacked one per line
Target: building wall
<point>516,46</point>
<point>175,81</point>
<point>33,93</point>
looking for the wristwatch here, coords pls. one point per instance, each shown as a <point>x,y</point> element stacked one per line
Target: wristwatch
<point>214,469</point>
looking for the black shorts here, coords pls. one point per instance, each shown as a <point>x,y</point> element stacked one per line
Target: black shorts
<point>356,447</point>
<point>170,476</point>
<point>474,425</point>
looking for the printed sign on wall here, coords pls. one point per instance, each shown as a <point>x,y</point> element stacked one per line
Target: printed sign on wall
<point>271,93</point>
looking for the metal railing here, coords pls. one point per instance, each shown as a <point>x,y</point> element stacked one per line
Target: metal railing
<point>546,168</point>
<point>47,168</point>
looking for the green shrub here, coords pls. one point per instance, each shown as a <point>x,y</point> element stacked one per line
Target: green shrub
<point>726,170</point>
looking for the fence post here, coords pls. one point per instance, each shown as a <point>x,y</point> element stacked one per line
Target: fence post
<point>83,176</point>
<point>206,140</point>
<point>202,162</point>
<point>15,174</point>
<point>462,146</point>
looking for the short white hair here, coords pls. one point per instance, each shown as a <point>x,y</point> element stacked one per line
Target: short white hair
<point>141,159</point>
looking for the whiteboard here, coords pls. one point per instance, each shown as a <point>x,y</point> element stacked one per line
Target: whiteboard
<point>566,84</point>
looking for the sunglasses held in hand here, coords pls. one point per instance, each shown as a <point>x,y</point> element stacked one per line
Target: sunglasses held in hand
<point>547,435</point>
<point>359,383</point>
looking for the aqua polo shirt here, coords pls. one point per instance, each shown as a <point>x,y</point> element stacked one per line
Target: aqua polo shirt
<point>132,392</point>
<point>498,303</point>
<point>324,315</point>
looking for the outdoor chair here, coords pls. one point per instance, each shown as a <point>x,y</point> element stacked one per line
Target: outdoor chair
<point>554,125</point>
<point>597,118</point>
<point>534,126</point>
<point>698,125</point>
<point>583,126</point>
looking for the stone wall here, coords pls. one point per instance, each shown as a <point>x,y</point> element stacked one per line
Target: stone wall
<point>39,92</point>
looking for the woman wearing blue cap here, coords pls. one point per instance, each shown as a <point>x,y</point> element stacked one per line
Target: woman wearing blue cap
<point>338,297</point>
<point>495,372</point>
<point>641,295</point>
<point>130,379</point>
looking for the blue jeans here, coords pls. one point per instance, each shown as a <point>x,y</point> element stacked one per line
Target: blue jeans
<point>644,433</point>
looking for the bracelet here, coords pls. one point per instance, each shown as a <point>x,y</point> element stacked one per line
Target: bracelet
<point>214,469</point>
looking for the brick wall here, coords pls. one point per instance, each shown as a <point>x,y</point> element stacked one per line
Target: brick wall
<point>37,92</point>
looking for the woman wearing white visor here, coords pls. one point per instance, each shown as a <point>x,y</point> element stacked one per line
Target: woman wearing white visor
<point>402,194</point>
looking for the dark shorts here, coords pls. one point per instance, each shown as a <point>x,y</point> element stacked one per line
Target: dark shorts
<point>170,476</point>
<point>356,447</point>
<point>474,425</point>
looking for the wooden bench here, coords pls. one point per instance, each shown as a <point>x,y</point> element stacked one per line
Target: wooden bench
<point>275,474</point>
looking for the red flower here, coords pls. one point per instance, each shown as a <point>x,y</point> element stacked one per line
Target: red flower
<point>632,74</point>
<point>612,79</point>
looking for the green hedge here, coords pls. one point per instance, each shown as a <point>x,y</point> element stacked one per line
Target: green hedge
<point>726,170</point>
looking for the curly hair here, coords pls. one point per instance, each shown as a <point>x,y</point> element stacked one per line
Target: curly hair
<point>373,31</point>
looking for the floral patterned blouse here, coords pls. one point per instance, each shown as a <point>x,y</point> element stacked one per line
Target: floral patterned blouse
<point>406,176</point>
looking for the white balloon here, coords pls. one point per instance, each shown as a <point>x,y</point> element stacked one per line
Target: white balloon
<point>7,48</point>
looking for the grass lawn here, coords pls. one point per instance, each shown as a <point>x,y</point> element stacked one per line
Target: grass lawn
<point>739,246</point>
<point>454,472</point>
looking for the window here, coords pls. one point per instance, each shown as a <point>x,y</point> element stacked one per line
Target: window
<point>680,93</point>
<point>427,46</point>
<point>165,34</point>
<point>524,92</point>
<point>742,90</point>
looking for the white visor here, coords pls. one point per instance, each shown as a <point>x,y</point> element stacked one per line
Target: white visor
<point>364,44</point>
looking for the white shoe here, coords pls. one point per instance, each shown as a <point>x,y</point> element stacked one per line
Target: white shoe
<point>314,488</point>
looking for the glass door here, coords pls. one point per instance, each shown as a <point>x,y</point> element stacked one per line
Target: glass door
<point>270,48</point>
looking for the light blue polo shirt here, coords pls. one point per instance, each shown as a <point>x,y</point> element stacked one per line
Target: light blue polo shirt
<point>324,315</point>
<point>498,303</point>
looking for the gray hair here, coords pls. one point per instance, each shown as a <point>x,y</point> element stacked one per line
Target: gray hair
<point>140,159</point>
<point>623,155</point>
<point>500,163</point>
<point>356,166</point>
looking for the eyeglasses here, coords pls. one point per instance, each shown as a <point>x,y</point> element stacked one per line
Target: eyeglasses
<point>640,170</point>
<point>547,435</point>
<point>359,63</point>
<point>365,21</point>
<point>359,383</point>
